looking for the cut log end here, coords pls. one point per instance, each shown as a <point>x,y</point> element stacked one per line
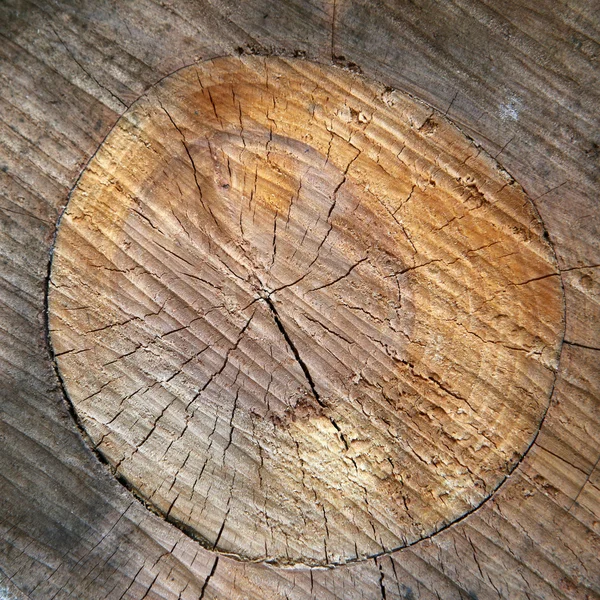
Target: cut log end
<point>303,317</point>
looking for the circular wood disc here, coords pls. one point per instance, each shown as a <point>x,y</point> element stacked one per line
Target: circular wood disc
<point>300,315</point>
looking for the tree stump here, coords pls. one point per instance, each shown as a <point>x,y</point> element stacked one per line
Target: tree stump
<point>304,318</point>
<point>275,321</point>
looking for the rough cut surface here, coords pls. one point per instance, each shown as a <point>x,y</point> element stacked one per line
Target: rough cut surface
<point>521,78</point>
<point>300,315</point>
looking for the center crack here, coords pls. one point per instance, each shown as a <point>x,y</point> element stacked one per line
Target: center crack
<point>302,364</point>
<point>293,348</point>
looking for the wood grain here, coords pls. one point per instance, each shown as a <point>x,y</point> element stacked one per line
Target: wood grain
<point>303,317</point>
<point>67,528</point>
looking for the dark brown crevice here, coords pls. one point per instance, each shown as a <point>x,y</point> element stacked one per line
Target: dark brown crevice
<point>303,366</point>
<point>362,260</point>
<point>578,345</point>
<point>195,170</point>
<point>208,577</point>
<point>381,582</point>
<point>293,348</point>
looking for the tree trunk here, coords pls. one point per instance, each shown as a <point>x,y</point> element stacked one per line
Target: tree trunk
<point>315,319</point>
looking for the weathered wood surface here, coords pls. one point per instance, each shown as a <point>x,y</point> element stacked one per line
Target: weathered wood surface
<point>302,316</point>
<point>522,80</point>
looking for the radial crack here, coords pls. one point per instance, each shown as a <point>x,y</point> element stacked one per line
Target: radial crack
<point>293,348</point>
<point>187,150</point>
<point>320,287</point>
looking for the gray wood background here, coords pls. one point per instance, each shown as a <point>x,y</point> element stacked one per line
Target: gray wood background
<point>520,77</point>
